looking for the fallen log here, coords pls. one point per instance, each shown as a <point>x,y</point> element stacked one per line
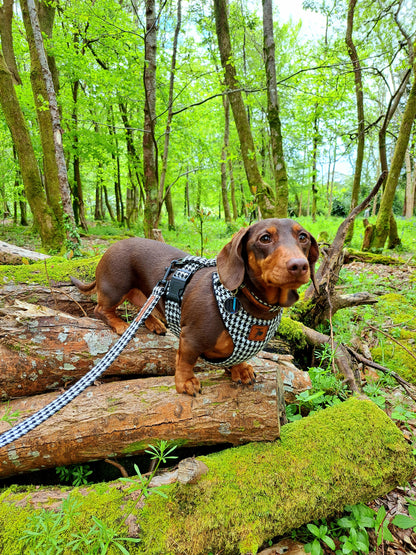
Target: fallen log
<point>123,418</point>
<point>43,350</point>
<point>12,254</point>
<point>346,454</point>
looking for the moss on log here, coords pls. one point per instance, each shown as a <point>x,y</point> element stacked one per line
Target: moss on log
<point>343,455</point>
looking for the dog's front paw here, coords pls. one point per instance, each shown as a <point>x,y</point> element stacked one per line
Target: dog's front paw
<point>190,386</point>
<point>243,373</point>
<point>155,325</point>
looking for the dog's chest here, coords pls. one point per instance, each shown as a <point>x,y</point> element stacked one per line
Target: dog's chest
<point>249,334</point>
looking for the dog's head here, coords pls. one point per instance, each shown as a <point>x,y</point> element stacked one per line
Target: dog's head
<point>276,256</point>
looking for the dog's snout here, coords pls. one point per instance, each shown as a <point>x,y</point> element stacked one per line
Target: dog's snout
<point>298,267</point>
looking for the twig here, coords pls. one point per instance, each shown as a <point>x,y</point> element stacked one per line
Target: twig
<point>393,339</point>
<point>408,387</point>
<point>119,466</point>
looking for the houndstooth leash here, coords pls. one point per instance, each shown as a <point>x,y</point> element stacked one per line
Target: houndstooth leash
<point>53,407</point>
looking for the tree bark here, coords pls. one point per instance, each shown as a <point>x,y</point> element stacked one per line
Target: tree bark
<point>43,349</point>
<point>224,155</point>
<point>259,188</point>
<point>359,95</point>
<point>166,194</point>
<point>273,115</point>
<point>150,170</point>
<point>126,416</point>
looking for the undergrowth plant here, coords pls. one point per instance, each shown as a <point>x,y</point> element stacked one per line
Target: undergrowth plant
<point>52,533</point>
<point>76,474</point>
<point>347,535</point>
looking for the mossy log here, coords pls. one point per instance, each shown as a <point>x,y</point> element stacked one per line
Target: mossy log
<point>42,350</point>
<point>123,418</point>
<point>351,255</point>
<point>340,456</point>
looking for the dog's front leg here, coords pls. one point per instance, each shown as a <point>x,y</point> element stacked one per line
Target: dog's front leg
<point>243,373</point>
<point>185,379</point>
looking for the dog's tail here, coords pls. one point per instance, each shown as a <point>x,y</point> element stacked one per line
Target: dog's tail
<point>87,288</point>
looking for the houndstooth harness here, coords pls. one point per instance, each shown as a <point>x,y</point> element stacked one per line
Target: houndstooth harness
<point>249,334</point>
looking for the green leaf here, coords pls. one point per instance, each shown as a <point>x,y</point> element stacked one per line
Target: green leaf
<point>404,521</point>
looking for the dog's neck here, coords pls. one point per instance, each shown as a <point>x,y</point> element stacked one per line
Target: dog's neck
<point>256,301</point>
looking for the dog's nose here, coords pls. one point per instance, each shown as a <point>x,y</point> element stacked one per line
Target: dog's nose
<point>298,267</point>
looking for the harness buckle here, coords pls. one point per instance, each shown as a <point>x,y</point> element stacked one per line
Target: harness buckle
<point>177,285</point>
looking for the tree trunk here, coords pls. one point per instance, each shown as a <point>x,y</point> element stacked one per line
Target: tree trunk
<point>382,226</point>
<point>278,159</point>
<point>259,188</point>
<point>166,195</point>
<point>224,156</point>
<point>359,95</point>
<point>122,418</point>
<point>78,196</point>
<point>315,165</point>
<point>6,36</point>
<point>410,186</point>
<point>132,197</point>
<point>52,349</point>
<point>150,171</point>
<point>50,230</point>
<point>34,32</point>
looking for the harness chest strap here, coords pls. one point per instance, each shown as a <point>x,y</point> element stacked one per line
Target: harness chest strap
<point>249,334</point>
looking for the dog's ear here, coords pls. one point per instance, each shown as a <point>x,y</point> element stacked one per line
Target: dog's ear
<point>312,258</point>
<point>230,262</point>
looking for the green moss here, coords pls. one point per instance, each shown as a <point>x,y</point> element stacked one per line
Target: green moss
<point>292,331</point>
<point>106,503</point>
<point>343,455</point>
<point>400,313</point>
<point>56,268</point>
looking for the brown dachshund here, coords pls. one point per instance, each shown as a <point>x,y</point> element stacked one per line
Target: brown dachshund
<point>263,265</point>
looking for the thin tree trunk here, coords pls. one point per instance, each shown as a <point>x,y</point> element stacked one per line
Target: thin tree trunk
<point>150,170</point>
<point>315,165</point>
<point>224,155</point>
<point>259,188</point>
<point>382,226</point>
<point>78,194</point>
<point>359,94</point>
<point>273,116</point>
<point>410,186</point>
<point>162,195</point>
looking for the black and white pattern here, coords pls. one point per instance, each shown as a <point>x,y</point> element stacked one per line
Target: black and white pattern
<point>89,378</point>
<point>239,325</point>
<point>191,264</point>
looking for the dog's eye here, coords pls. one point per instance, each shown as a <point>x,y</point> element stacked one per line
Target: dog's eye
<point>302,237</point>
<point>266,238</point>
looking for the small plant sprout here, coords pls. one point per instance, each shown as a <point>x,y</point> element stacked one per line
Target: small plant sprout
<point>161,453</point>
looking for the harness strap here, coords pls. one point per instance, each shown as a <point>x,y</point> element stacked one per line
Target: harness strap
<point>46,412</point>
